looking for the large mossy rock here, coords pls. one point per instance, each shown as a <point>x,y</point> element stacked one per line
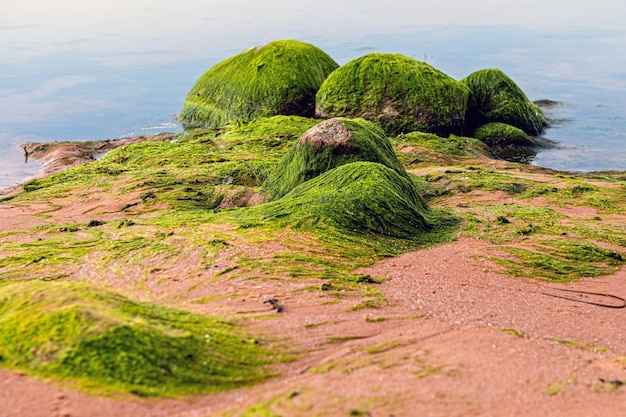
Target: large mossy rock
<point>399,93</point>
<point>496,98</point>
<point>102,340</point>
<point>359,197</point>
<point>280,77</point>
<point>327,145</point>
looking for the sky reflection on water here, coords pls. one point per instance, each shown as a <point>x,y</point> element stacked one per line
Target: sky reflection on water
<point>83,69</point>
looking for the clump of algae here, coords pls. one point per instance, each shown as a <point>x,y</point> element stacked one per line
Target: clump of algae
<point>104,341</point>
<point>327,145</point>
<point>280,77</point>
<point>359,197</point>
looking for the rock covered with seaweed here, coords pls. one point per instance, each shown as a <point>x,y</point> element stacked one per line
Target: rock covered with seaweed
<point>288,77</point>
<point>398,92</point>
<point>280,77</point>
<point>327,145</point>
<point>496,98</point>
<point>359,197</point>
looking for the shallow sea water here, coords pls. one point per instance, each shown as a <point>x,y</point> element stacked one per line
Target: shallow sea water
<point>87,70</point>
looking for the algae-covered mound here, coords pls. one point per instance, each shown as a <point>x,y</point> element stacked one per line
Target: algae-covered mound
<point>500,135</point>
<point>327,145</point>
<point>102,340</point>
<point>280,77</point>
<point>496,98</point>
<point>510,143</point>
<point>399,93</point>
<point>359,197</point>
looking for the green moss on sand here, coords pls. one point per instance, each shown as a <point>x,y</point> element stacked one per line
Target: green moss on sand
<point>399,93</point>
<point>360,197</point>
<point>104,341</point>
<point>280,77</point>
<point>195,170</point>
<point>422,149</point>
<point>327,145</point>
<point>560,261</point>
<point>496,98</point>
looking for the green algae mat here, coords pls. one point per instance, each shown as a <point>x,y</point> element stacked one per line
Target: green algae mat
<point>104,341</point>
<point>203,192</point>
<point>338,195</point>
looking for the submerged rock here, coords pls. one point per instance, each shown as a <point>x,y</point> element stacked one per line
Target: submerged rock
<point>399,93</point>
<point>280,77</point>
<point>329,144</point>
<point>496,98</point>
<point>359,197</point>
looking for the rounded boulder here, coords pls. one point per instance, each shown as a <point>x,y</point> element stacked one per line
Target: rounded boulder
<point>327,145</point>
<point>278,78</point>
<point>496,98</point>
<point>397,92</point>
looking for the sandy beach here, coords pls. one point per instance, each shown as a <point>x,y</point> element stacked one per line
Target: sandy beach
<point>456,335</point>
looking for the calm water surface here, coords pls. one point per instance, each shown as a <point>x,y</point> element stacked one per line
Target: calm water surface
<point>86,70</point>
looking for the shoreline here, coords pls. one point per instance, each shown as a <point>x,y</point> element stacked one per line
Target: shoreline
<point>57,156</point>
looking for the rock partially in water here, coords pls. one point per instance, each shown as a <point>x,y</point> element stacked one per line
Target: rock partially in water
<point>501,135</point>
<point>327,145</point>
<point>510,143</point>
<point>496,98</point>
<point>58,156</point>
<point>399,93</point>
<point>280,77</point>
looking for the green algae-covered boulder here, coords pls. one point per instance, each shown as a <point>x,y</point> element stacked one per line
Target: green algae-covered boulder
<point>327,145</point>
<point>502,135</point>
<point>359,197</point>
<point>280,77</point>
<point>496,98</point>
<point>72,331</point>
<point>399,93</point>
<point>510,143</point>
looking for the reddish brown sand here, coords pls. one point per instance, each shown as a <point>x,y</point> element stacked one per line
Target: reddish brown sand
<point>457,339</point>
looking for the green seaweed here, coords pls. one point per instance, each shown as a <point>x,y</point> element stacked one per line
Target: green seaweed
<point>397,92</point>
<point>502,135</point>
<point>199,169</point>
<point>510,143</point>
<point>560,261</point>
<point>279,77</point>
<point>75,332</point>
<point>327,145</point>
<point>496,98</point>
<point>177,198</point>
<point>360,197</point>
<point>439,148</point>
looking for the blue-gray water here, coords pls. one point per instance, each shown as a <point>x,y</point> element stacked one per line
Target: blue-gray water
<point>86,70</point>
